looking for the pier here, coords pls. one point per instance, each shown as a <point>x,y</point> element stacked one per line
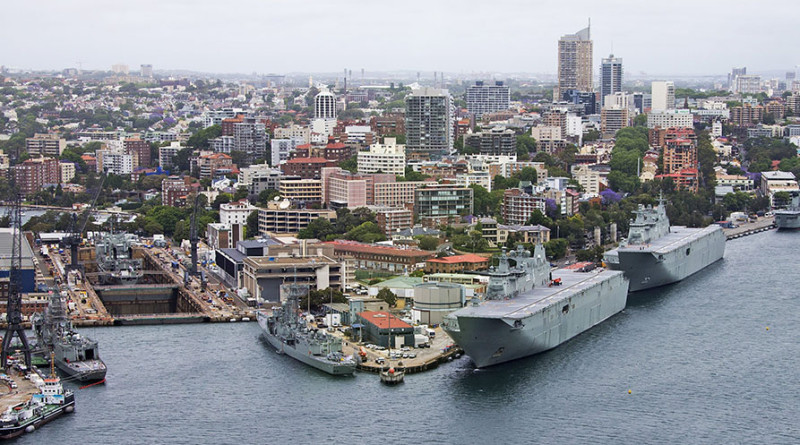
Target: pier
<point>761,225</point>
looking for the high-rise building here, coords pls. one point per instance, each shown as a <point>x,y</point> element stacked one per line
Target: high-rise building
<point>34,174</point>
<point>747,84</point>
<point>483,98</point>
<point>388,157</point>
<point>325,105</point>
<point>495,141</point>
<point>429,123</point>
<point>147,70</point>
<point>610,77</point>
<point>167,154</point>
<point>575,62</point>
<point>250,136</point>
<point>663,95</point>
<point>735,72</point>
<point>140,150</point>
<point>46,144</point>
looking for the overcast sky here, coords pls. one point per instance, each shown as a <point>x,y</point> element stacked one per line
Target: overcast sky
<point>281,36</point>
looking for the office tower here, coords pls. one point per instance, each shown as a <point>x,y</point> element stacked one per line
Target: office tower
<point>482,99</point>
<point>429,123</point>
<point>663,95</point>
<point>610,77</point>
<point>147,70</point>
<point>575,62</point>
<point>735,72</point>
<point>325,105</point>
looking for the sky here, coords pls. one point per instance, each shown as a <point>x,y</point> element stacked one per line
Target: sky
<point>680,37</point>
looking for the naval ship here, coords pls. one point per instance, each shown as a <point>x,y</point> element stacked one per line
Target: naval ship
<point>528,309</point>
<point>75,355</point>
<point>115,262</point>
<point>789,218</point>
<point>656,254</point>
<point>287,332</point>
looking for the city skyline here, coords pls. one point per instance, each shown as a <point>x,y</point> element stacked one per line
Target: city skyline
<point>316,36</point>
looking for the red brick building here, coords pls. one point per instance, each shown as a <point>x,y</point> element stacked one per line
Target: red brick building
<point>456,263</point>
<point>140,150</point>
<point>306,168</point>
<point>36,173</point>
<point>175,190</point>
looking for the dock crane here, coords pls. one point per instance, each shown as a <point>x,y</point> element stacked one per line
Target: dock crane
<point>75,237</point>
<point>14,311</point>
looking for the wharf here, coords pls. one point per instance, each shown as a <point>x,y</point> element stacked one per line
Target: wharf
<point>419,364</point>
<point>13,396</point>
<point>761,225</point>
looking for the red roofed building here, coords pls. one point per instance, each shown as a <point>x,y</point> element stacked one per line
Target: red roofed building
<point>215,164</point>
<point>456,263</point>
<point>375,257</point>
<point>378,327</point>
<point>686,179</point>
<point>306,168</point>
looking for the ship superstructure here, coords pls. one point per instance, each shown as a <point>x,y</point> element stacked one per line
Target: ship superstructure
<point>74,354</point>
<point>656,254</point>
<point>528,309</point>
<point>115,262</point>
<point>290,334</point>
<point>789,218</point>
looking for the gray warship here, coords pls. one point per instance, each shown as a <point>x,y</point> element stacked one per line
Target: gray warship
<point>115,262</point>
<point>287,332</point>
<point>528,309</point>
<point>75,355</point>
<point>656,254</point>
<point>789,218</point>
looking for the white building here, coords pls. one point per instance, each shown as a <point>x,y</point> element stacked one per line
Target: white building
<point>663,95</point>
<point>222,144</point>
<point>117,163</point>
<point>294,131</point>
<point>325,105</point>
<point>670,118</point>
<point>357,133</point>
<point>547,133</point>
<point>388,157</point>
<point>235,212</point>
<point>167,154</point>
<point>482,99</point>
<point>66,171</point>
<point>747,84</point>
<point>483,179</point>
<point>588,179</point>
<point>282,148</point>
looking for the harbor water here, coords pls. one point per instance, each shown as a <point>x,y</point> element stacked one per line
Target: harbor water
<point>713,359</point>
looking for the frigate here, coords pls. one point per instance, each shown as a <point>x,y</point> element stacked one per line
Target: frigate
<point>528,309</point>
<point>290,334</point>
<point>656,254</point>
<point>75,355</point>
<point>789,218</point>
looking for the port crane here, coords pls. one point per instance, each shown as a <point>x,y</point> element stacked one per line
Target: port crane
<point>75,237</point>
<point>14,311</point>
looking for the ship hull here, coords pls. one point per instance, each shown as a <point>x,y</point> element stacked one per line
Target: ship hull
<point>320,363</point>
<point>787,219</point>
<point>490,341</point>
<point>48,415</point>
<point>647,267</point>
<point>81,375</point>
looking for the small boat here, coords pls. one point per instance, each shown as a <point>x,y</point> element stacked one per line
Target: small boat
<point>392,375</point>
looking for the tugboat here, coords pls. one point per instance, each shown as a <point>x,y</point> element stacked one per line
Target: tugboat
<point>75,355</point>
<point>52,401</point>
<point>287,332</point>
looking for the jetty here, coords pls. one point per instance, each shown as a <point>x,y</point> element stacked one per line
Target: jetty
<point>761,225</point>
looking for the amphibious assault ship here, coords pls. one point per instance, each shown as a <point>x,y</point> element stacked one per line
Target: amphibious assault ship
<point>115,262</point>
<point>789,218</point>
<point>75,355</point>
<point>527,309</point>
<point>287,332</point>
<point>656,254</point>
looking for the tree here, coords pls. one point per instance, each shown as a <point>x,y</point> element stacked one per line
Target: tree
<point>388,296</point>
<point>181,159</point>
<point>640,120</point>
<point>527,174</point>
<point>241,193</point>
<point>267,195</point>
<point>781,199</point>
<point>367,232</point>
<point>426,242</point>
<point>482,201</point>
<point>319,228</point>
<point>525,145</point>
<point>322,297</point>
<point>200,139</point>
<point>556,248</point>
<point>350,164</point>
<point>252,224</point>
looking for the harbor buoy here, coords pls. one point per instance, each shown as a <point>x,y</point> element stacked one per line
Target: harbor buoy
<point>30,428</point>
<point>69,409</point>
<point>768,328</point>
<point>630,392</point>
